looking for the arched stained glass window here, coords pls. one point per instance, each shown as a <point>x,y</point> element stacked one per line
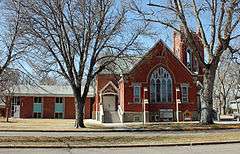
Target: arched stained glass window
<point>160,86</point>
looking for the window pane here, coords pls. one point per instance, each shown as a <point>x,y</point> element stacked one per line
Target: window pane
<point>137,94</point>
<point>59,100</point>
<point>137,91</point>
<point>164,98</point>
<point>59,115</point>
<point>153,86</point>
<point>37,100</point>
<point>184,94</point>
<point>158,91</point>
<point>169,89</point>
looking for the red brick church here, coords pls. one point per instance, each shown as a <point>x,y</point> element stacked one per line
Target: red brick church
<point>161,86</point>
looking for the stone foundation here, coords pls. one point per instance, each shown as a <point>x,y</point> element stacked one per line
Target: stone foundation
<point>150,117</point>
<point>195,116</point>
<point>134,117</point>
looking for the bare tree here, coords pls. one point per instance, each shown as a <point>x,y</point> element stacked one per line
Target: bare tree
<point>226,80</point>
<point>11,47</point>
<point>8,80</point>
<point>218,23</point>
<point>79,38</point>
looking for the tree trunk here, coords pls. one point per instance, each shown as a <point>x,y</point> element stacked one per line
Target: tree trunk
<point>238,110</point>
<point>220,108</point>
<point>7,114</point>
<point>207,96</point>
<point>79,106</point>
<point>224,105</point>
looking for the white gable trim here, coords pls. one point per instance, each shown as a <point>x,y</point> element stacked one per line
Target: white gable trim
<point>109,83</point>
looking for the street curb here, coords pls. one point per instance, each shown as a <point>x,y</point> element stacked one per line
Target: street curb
<point>120,130</point>
<point>120,146</point>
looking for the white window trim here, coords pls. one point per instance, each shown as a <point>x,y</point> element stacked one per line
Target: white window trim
<point>183,85</point>
<point>63,102</point>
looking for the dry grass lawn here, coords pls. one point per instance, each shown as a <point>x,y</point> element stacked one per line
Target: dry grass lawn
<point>185,126</point>
<point>37,124</point>
<point>68,124</point>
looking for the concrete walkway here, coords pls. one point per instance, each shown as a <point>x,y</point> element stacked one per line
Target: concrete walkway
<point>118,133</point>
<point>92,122</point>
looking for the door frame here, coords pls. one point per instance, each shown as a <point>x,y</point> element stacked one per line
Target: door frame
<point>14,106</point>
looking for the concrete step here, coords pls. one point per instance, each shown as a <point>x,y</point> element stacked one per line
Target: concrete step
<point>111,117</point>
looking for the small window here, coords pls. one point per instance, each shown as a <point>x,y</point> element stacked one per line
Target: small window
<point>137,94</point>
<point>59,100</point>
<point>37,115</point>
<point>37,100</point>
<point>189,59</point>
<point>184,93</point>
<point>58,115</point>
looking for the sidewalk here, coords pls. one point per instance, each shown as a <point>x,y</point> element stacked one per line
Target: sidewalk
<point>196,134</point>
<point>119,145</point>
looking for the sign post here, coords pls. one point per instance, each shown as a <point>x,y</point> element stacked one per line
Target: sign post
<point>144,102</point>
<point>178,101</point>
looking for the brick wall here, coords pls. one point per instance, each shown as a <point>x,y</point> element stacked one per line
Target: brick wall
<point>160,56</point>
<point>2,112</point>
<point>26,109</point>
<point>101,81</point>
<point>69,111</point>
<point>180,46</point>
<point>48,107</point>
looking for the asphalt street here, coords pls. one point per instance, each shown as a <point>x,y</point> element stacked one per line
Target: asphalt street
<point>202,149</point>
<point>94,134</point>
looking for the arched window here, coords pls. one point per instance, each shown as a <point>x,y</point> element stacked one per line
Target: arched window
<point>160,86</point>
<point>189,59</point>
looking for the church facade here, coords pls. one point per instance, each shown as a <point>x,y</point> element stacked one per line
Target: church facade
<point>162,86</point>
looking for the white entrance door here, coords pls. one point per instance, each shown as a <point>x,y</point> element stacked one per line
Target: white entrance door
<point>16,107</point>
<point>109,103</point>
<point>16,111</point>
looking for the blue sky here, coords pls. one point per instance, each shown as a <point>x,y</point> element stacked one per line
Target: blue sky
<point>163,33</point>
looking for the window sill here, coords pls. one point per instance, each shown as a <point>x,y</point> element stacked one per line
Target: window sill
<point>162,103</point>
<point>135,103</point>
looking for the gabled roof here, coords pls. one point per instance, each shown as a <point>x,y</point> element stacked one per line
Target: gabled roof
<point>159,42</point>
<point>122,65</point>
